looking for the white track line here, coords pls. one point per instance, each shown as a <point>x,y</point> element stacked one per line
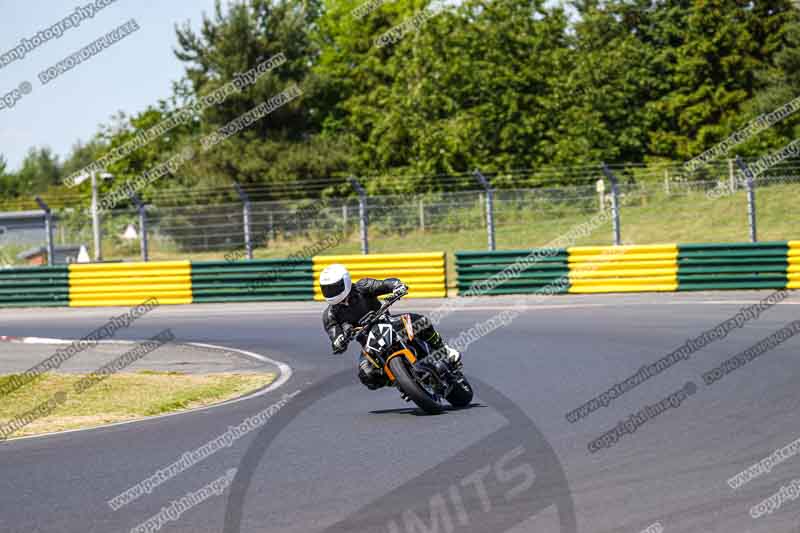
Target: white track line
<point>285,375</point>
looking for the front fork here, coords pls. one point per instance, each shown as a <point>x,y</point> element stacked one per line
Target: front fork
<point>442,373</point>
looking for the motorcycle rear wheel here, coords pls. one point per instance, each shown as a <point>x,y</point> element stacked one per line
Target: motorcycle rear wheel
<point>405,380</point>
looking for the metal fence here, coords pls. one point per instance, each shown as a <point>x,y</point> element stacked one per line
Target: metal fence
<point>652,207</point>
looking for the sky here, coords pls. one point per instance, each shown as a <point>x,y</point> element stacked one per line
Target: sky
<point>128,76</point>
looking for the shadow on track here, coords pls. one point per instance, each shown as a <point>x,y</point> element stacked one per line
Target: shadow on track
<point>540,481</point>
<point>416,411</point>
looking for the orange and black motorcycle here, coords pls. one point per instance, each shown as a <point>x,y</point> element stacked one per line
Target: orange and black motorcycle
<point>422,375</point>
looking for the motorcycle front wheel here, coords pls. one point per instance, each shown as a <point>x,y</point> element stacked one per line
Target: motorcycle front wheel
<point>416,393</point>
<point>461,395</point>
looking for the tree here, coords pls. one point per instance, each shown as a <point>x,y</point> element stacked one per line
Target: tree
<point>234,41</point>
<point>717,46</point>
<point>778,81</point>
<point>39,170</point>
<point>468,88</point>
<point>230,43</point>
<point>7,186</point>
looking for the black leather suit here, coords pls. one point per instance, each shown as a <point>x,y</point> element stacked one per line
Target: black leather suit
<point>363,298</point>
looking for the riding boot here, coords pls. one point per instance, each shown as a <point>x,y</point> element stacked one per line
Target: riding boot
<point>436,343</point>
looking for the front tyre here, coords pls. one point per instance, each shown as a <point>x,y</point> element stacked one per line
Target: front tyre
<point>405,380</point>
<point>461,395</point>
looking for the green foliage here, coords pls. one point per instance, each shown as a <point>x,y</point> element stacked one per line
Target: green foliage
<point>497,85</point>
<point>8,183</point>
<point>40,169</point>
<point>720,45</point>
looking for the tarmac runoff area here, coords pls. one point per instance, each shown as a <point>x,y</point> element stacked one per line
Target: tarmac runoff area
<point>20,354</point>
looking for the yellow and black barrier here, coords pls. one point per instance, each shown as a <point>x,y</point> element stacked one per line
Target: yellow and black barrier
<point>110,284</point>
<point>637,268</point>
<point>424,273</point>
<point>793,267</point>
<point>631,268</point>
<point>579,269</point>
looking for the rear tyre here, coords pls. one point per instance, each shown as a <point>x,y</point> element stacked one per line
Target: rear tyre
<point>461,395</point>
<point>405,380</point>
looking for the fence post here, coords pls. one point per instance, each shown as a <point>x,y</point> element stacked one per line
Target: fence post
<point>422,214</point>
<point>344,218</point>
<point>751,197</point>
<point>48,228</point>
<point>362,214</point>
<point>271,227</point>
<point>140,206</point>
<point>489,207</point>
<point>96,230</point>
<point>248,238</point>
<point>732,175</point>
<point>614,203</point>
<point>666,182</point>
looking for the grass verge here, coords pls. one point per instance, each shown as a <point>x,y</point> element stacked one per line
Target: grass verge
<point>124,396</point>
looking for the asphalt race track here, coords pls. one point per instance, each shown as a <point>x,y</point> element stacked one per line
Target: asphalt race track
<point>338,457</point>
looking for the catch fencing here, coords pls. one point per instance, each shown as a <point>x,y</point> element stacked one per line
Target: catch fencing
<point>511,211</point>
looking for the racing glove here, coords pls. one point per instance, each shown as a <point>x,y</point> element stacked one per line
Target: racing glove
<point>340,343</point>
<point>400,290</point>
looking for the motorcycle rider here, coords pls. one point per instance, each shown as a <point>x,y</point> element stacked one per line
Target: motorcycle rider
<point>349,302</point>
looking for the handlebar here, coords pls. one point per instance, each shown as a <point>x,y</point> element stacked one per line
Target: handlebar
<point>372,317</point>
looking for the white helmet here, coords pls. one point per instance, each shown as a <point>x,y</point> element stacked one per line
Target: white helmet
<point>335,283</point>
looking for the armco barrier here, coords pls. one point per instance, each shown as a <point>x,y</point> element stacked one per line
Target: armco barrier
<point>43,286</point>
<point>762,265</point>
<point>579,269</point>
<point>100,284</point>
<point>529,271</point>
<point>632,268</point>
<point>639,268</point>
<point>423,273</point>
<point>256,280</point>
